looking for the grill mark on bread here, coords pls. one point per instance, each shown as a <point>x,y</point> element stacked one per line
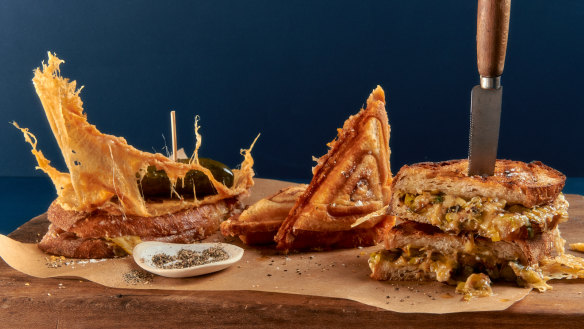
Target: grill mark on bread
<point>309,218</point>
<point>528,184</point>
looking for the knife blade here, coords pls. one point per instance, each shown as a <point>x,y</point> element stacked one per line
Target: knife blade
<point>485,120</point>
<point>486,98</point>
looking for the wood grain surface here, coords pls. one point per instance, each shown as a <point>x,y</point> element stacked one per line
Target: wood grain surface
<point>28,302</point>
<point>492,34</point>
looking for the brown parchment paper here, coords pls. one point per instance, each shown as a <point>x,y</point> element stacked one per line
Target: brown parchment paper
<point>337,273</point>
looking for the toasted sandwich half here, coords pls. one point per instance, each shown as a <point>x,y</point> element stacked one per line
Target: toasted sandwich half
<point>259,223</point>
<point>460,228</point>
<point>349,182</point>
<point>109,199</point>
<point>520,201</point>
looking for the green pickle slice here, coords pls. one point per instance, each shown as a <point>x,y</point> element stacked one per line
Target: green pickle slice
<point>156,183</point>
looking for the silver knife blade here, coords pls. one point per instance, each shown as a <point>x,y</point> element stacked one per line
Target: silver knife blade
<point>485,117</point>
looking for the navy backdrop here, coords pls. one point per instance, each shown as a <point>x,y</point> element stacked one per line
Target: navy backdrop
<point>293,71</point>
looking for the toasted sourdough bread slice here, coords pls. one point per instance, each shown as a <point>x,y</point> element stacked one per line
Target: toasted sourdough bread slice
<point>259,223</point>
<point>526,184</point>
<point>93,235</point>
<point>350,181</point>
<point>62,243</point>
<point>422,252</point>
<point>519,202</point>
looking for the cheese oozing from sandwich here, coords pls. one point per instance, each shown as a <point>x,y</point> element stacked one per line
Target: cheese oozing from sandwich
<point>492,218</point>
<point>428,264</point>
<point>476,285</point>
<point>104,170</point>
<point>419,252</point>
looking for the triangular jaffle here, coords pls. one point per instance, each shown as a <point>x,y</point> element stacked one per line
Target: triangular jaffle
<point>350,182</point>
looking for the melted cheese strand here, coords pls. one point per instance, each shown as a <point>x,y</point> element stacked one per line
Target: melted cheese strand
<point>89,154</point>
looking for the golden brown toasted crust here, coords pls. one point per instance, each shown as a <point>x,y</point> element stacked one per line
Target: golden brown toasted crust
<point>100,224</point>
<point>59,242</point>
<point>259,222</point>
<point>235,227</point>
<point>527,184</point>
<point>252,233</point>
<point>87,237</point>
<point>258,238</point>
<point>357,237</point>
<point>350,181</point>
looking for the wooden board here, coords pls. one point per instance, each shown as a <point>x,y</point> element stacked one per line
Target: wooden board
<point>62,303</point>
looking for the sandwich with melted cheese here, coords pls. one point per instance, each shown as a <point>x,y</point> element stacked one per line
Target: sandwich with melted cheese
<point>111,197</point>
<point>505,225</point>
<point>422,252</point>
<point>520,201</point>
<point>351,182</point>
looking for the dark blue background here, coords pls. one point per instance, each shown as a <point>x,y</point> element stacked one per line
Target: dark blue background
<point>293,71</point>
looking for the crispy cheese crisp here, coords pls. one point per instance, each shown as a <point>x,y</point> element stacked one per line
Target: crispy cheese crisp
<point>103,167</point>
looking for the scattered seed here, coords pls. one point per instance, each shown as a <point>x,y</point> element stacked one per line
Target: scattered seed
<point>136,276</point>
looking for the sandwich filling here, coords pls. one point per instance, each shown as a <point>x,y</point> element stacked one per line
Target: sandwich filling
<point>476,285</point>
<point>429,264</point>
<point>455,259</point>
<point>492,218</point>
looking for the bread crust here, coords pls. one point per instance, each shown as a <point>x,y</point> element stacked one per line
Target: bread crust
<point>100,224</point>
<point>61,243</point>
<point>258,238</point>
<point>527,184</point>
<point>259,223</point>
<point>358,161</point>
<point>322,240</point>
<point>251,233</point>
<point>87,237</point>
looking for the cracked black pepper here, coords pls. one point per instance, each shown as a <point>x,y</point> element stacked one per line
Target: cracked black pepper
<point>188,258</point>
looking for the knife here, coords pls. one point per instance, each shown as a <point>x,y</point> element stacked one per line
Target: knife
<point>485,107</point>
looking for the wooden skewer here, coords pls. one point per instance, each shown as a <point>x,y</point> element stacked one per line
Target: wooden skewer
<point>173,132</point>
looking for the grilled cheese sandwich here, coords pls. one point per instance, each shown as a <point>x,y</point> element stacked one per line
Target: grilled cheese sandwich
<point>455,226</point>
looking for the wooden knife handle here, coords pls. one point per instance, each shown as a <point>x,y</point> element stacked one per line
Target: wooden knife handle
<point>492,32</point>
